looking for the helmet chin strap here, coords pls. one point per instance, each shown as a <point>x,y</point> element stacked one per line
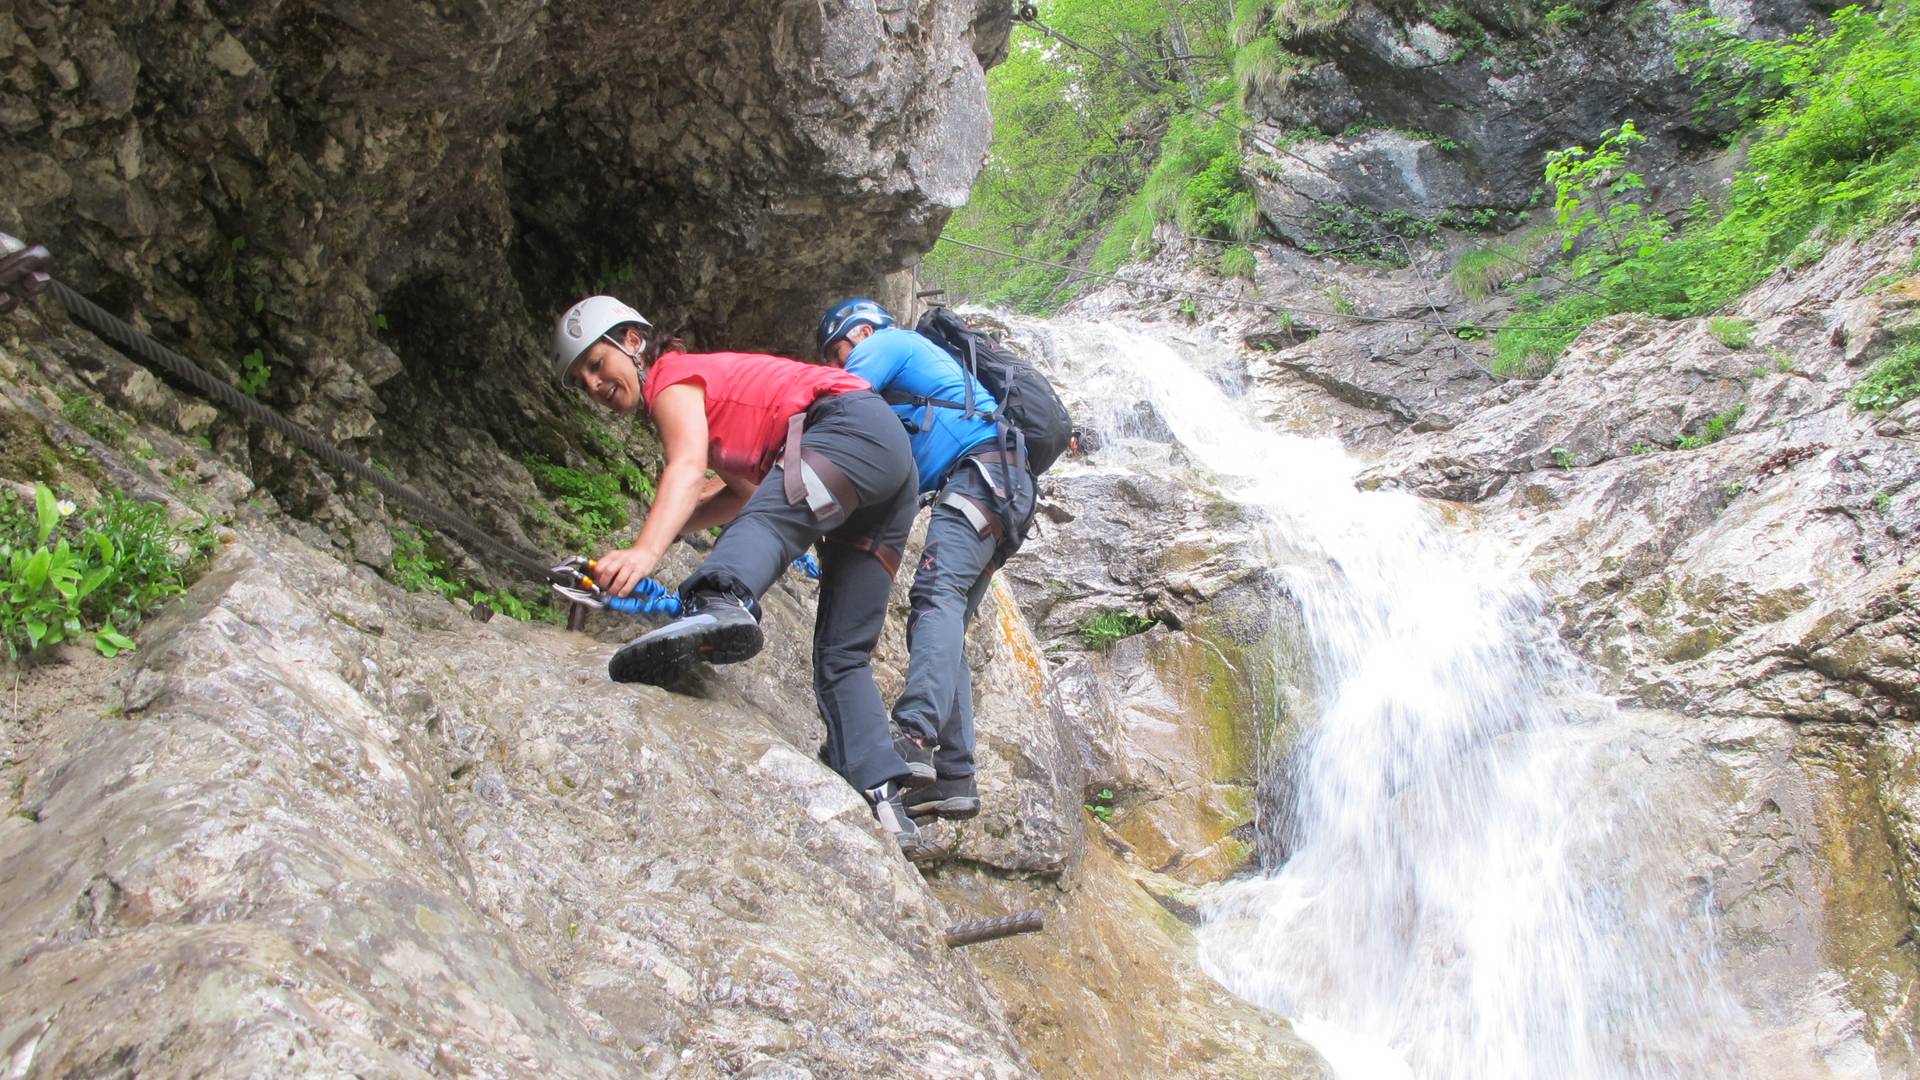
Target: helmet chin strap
<point>637,356</point>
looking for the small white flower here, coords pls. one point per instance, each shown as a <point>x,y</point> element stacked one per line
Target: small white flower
<point>65,506</point>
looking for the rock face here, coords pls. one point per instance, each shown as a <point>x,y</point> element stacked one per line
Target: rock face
<point>316,824</point>
<point>387,201</point>
<point>1434,113</point>
<point>319,824</point>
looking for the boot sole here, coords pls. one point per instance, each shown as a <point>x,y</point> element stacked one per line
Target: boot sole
<point>959,808</point>
<point>922,851</point>
<point>920,775</point>
<point>662,659</point>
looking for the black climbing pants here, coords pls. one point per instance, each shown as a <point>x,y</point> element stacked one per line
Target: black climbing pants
<point>853,449</point>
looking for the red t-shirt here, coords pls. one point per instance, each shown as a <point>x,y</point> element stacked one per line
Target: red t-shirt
<point>749,399</point>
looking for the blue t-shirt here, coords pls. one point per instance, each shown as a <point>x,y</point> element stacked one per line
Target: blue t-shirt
<point>896,360</point>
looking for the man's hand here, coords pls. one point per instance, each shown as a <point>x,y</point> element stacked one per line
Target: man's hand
<point>23,271</point>
<point>619,570</point>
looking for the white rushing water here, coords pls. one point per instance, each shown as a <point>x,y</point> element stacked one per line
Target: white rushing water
<point>1469,887</point>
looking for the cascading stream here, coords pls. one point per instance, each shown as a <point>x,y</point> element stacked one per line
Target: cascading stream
<point>1470,885</point>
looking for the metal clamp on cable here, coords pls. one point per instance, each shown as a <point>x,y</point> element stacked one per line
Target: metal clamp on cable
<point>23,271</point>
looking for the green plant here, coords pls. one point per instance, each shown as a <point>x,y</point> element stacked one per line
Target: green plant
<point>415,566</point>
<point>1734,488</point>
<point>1237,262</point>
<point>1103,629</point>
<point>1481,270</point>
<point>1882,501</point>
<point>79,408</point>
<point>594,502</point>
<point>1467,331</point>
<point>1782,361</point>
<point>1564,15</point>
<point>1641,448</point>
<point>100,570</point>
<point>1893,381</point>
<point>254,373</point>
<point>1100,804</point>
<point>418,567</point>
<point>377,322</point>
<point>1835,151</point>
<point>1715,430</point>
<point>1733,333</point>
<point>1562,457</point>
<point>1341,305</point>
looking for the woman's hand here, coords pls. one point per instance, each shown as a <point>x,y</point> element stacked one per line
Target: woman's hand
<point>619,570</point>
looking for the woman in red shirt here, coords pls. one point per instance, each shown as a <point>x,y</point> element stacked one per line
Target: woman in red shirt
<point>808,453</point>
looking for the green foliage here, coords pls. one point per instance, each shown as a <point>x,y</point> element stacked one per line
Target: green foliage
<point>1341,304</point>
<point>1562,457</point>
<point>81,410</point>
<point>1597,202</point>
<point>594,502</point>
<point>1107,627</point>
<point>1100,804</point>
<point>1882,501</point>
<point>1715,430</point>
<point>1836,151</point>
<point>1893,381</point>
<point>1484,269</point>
<point>1564,15</point>
<point>1733,333</point>
<point>417,568</point>
<point>1291,18</point>
<point>100,570</point>
<point>254,373</point>
<point>1089,158</point>
<point>1237,262</point>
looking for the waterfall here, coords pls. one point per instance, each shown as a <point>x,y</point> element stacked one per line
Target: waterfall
<point>1471,883</point>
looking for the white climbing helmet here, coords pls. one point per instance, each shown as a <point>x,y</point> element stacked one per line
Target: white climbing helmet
<point>585,323</point>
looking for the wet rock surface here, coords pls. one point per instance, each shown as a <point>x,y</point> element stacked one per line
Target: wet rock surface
<point>323,823</point>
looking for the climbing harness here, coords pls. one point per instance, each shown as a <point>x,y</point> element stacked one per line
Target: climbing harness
<point>573,580</point>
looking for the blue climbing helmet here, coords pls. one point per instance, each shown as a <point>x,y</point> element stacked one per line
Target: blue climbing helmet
<point>842,317</point>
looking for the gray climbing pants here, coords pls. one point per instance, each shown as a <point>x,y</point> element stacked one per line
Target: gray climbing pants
<point>966,542</point>
<point>855,488</point>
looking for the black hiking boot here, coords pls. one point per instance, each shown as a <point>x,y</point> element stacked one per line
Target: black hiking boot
<point>952,797</point>
<point>892,815</point>
<point>716,628</point>
<point>917,755</point>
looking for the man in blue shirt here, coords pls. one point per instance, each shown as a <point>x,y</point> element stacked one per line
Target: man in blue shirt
<point>975,487</point>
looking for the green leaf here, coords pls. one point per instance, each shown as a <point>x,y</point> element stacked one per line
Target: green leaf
<point>48,509</point>
<point>36,572</point>
<point>108,637</point>
<point>36,632</point>
<point>92,581</point>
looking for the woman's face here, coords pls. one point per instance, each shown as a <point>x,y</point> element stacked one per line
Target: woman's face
<point>609,375</point>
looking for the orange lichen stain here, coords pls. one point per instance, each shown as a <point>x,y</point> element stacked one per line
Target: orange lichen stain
<point>1021,645</point>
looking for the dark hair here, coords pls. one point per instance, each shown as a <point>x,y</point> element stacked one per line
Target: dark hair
<point>656,345</point>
